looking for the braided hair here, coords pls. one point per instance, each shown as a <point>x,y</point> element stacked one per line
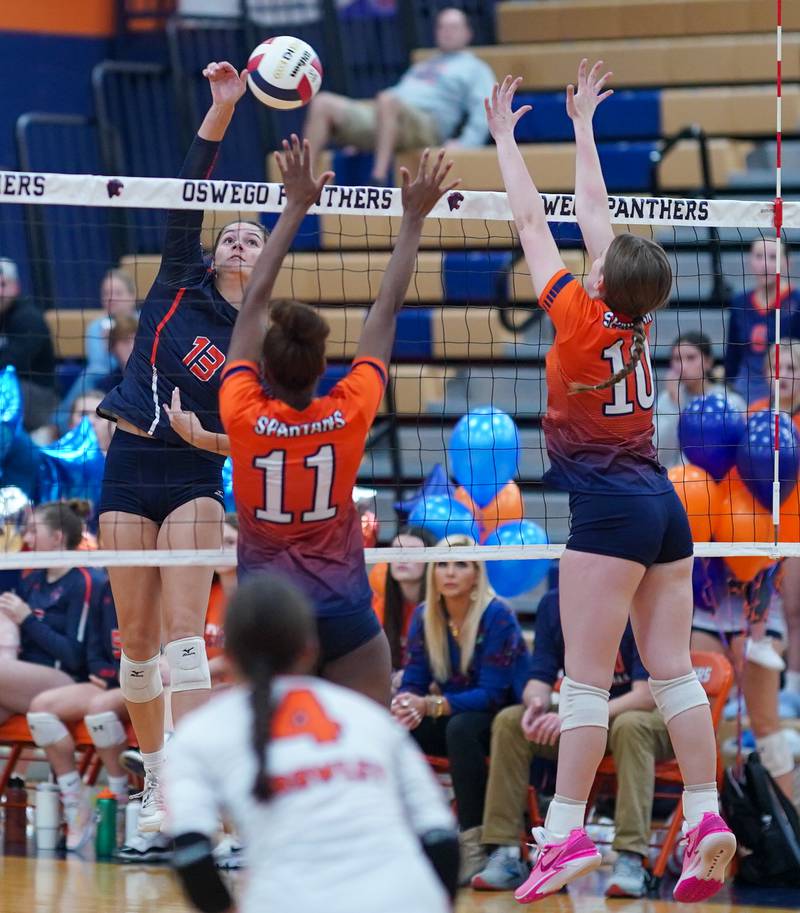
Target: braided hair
<point>638,278</point>
<point>268,630</point>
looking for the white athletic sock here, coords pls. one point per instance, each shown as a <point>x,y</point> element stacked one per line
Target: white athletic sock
<point>697,800</point>
<point>119,786</point>
<point>70,786</point>
<point>153,762</point>
<point>563,815</point>
<point>793,681</point>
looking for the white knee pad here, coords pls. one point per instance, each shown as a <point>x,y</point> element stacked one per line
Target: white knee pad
<point>46,729</point>
<point>105,729</point>
<point>582,705</point>
<point>188,664</point>
<point>675,695</point>
<point>140,682</point>
<point>775,753</point>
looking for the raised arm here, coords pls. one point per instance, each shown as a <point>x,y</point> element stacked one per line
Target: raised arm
<point>527,206</point>
<point>591,196</point>
<point>419,198</point>
<point>302,190</point>
<point>182,255</point>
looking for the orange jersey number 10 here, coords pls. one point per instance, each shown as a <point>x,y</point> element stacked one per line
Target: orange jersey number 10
<point>645,391</point>
<point>300,713</point>
<point>322,464</point>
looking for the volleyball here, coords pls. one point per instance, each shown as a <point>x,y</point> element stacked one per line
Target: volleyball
<point>284,72</point>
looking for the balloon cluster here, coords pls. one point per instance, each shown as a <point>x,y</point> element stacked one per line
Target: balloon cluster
<point>727,486</point>
<point>483,454</point>
<point>71,467</point>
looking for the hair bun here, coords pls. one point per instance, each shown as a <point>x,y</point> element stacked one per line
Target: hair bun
<point>298,322</point>
<point>81,507</point>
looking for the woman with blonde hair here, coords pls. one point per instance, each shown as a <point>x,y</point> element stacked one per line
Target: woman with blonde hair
<point>464,648</point>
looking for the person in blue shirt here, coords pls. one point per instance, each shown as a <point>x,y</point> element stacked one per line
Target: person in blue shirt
<point>530,729</point>
<point>463,647</point>
<point>751,324</point>
<point>99,703</point>
<point>51,606</point>
<point>162,486</point>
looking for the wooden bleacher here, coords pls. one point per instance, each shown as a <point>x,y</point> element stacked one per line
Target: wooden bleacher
<point>707,60</point>
<point>576,20</point>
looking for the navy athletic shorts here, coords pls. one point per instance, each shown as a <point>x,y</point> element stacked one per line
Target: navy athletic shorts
<point>650,529</point>
<point>341,634</point>
<point>151,478</point>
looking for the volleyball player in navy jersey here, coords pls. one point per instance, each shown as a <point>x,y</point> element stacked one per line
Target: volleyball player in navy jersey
<point>162,487</point>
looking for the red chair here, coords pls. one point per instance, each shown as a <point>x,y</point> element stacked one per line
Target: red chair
<point>716,677</point>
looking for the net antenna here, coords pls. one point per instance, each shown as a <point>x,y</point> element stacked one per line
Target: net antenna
<point>778,222</point>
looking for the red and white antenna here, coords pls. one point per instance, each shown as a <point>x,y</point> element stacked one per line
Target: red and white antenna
<point>778,223</point>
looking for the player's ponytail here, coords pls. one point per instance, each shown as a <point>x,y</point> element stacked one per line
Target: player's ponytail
<point>294,347</point>
<point>637,351</point>
<point>637,279</point>
<point>269,631</point>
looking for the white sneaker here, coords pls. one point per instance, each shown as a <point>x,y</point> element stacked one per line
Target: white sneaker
<point>80,825</point>
<point>763,653</point>
<point>151,813</point>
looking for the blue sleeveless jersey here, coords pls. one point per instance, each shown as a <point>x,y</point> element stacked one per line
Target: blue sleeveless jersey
<point>184,332</point>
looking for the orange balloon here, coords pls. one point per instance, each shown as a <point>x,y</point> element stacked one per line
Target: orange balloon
<point>463,497</point>
<point>699,495</point>
<point>789,530</point>
<point>505,508</point>
<point>741,518</point>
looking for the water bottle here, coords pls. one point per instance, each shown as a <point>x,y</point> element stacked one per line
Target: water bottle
<point>105,841</point>
<point>132,820</point>
<point>15,805</point>
<point>48,816</point>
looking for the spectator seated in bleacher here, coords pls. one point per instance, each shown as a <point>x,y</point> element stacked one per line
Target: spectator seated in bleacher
<point>121,337</point>
<point>118,297</point>
<point>438,101</point>
<point>751,326</point>
<point>690,365</point>
<point>99,703</point>
<point>528,730</point>
<point>720,625</point>
<point>397,589</point>
<point>85,406</point>
<point>464,646</point>
<point>25,343</point>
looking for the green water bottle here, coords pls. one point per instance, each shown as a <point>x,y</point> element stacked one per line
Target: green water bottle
<point>105,841</point>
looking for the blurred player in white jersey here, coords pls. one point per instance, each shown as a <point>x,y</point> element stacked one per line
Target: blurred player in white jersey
<point>336,806</point>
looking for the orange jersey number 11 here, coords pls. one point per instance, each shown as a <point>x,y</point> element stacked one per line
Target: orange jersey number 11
<point>322,464</point>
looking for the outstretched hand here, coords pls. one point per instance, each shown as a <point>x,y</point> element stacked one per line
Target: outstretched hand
<point>582,104</point>
<point>298,180</point>
<point>227,85</point>
<point>425,191</point>
<point>502,120</point>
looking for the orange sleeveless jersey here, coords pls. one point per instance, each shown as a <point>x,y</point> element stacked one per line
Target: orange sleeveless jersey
<point>598,440</point>
<point>293,478</point>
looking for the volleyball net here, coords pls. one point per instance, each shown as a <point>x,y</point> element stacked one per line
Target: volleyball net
<point>457,446</point>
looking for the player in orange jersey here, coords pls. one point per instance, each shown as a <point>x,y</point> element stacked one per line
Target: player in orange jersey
<point>296,456</point>
<point>630,548</point>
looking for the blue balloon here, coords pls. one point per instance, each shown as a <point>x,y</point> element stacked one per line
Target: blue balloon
<point>72,467</point>
<point>10,408</point>
<point>227,486</point>
<point>709,432</point>
<point>511,578</point>
<point>755,456</point>
<point>484,452</point>
<point>436,483</point>
<point>444,517</point>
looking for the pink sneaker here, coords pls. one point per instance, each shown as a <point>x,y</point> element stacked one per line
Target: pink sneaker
<point>557,864</point>
<point>709,848</point>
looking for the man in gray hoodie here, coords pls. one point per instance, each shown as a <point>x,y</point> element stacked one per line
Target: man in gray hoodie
<point>438,100</point>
